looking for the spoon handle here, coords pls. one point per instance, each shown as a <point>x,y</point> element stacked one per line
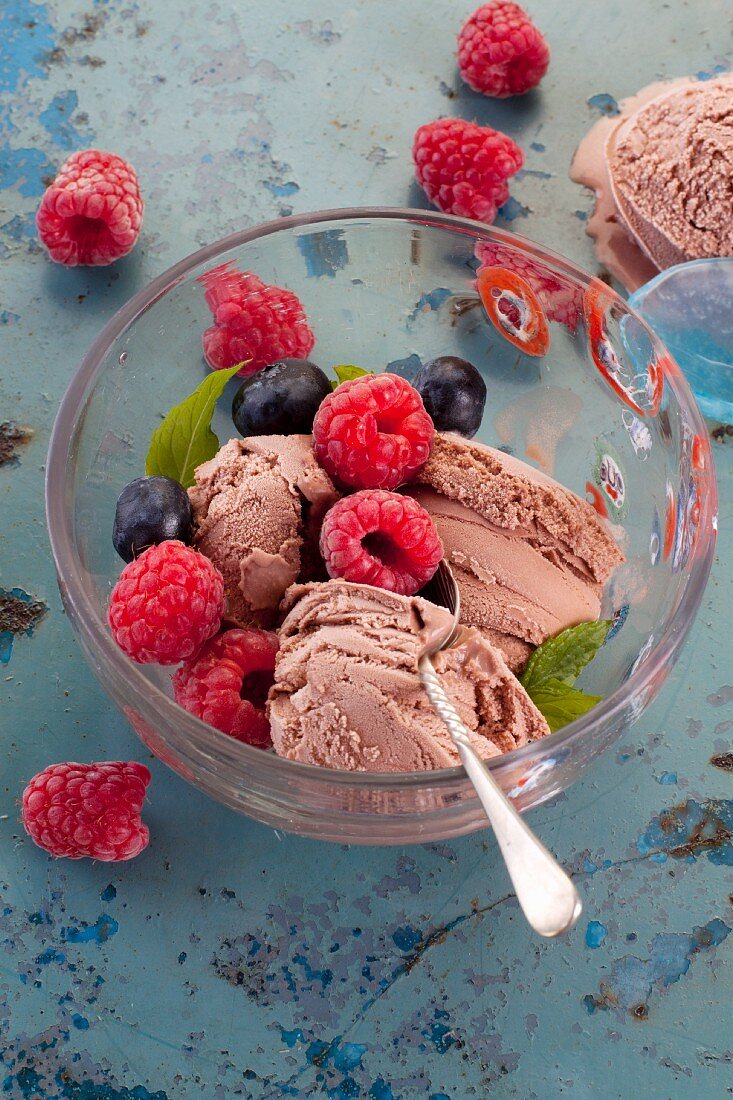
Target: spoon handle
<point>546,894</point>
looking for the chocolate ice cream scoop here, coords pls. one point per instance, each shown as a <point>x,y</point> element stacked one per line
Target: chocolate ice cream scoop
<point>347,693</point>
<point>529,556</point>
<point>671,171</point>
<point>662,171</point>
<point>257,507</point>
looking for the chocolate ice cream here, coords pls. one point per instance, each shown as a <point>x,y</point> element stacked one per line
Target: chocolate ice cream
<point>662,171</point>
<point>529,556</point>
<point>671,169</point>
<point>258,506</point>
<point>347,693</point>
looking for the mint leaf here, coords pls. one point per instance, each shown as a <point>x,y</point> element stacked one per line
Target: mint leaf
<point>565,656</point>
<point>345,372</point>
<point>184,439</point>
<point>560,703</point>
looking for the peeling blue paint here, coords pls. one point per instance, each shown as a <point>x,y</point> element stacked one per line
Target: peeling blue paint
<point>632,980</point>
<point>109,893</point>
<point>381,1090</point>
<point>440,1033</point>
<point>715,71</point>
<point>103,928</point>
<point>405,368</point>
<point>512,209</point>
<point>595,934</point>
<point>604,103</point>
<point>50,955</point>
<point>590,867</point>
<point>406,938</point>
<point>23,170</point>
<point>57,121</point>
<point>26,34</point>
<point>282,190</point>
<point>667,779</point>
<point>80,1022</point>
<point>19,614</point>
<point>290,1038</point>
<point>690,830</point>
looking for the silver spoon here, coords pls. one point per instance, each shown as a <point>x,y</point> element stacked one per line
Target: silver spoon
<point>546,894</point>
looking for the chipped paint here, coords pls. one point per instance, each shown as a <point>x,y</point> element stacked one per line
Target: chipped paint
<point>690,830</point>
<point>12,436</point>
<point>633,981</point>
<point>20,613</point>
<point>604,103</point>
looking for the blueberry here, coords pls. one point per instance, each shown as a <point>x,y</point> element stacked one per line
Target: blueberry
<point>454,394</point>
<point>151,510</point>
<point>282,399</point>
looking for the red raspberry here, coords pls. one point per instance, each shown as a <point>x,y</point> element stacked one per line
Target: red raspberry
<point>382,539</point>
<point>78,810</point>
<point>92,212</point>
<point>561,300</point>
<point>226,684</point>
<point>167,603</point>
<point>252,321</point>
<point>500,51</point>
<point>464,168</point>
<point>373,432</point>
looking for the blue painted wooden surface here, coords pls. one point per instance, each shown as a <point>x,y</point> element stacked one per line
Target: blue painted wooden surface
<point>230,960</point>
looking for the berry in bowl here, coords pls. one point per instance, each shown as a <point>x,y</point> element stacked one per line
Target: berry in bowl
<point>244,536</point>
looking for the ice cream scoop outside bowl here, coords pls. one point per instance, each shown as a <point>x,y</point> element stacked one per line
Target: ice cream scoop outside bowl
<point>690,308</point>
<point>604,410</point>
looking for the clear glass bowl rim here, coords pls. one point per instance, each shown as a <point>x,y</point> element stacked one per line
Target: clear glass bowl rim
<point>81,609</point>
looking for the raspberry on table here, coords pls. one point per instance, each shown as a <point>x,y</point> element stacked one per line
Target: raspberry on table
<point>166,604</point>
<point>227,682</point>
<point>252,321</point>
<point>77,810</point>
<point>92,212</point>
<point>463,168</point>
<point>383,539</point>
<point>373,432</point>
<point>500,51</point>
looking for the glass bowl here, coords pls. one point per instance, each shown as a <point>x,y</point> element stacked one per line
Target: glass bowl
<point>690,307</point>
<point>605,410</point>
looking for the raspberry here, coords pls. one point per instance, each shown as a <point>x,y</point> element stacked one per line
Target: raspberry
<point>561,300</point>
<point>226,684</point>
<point>463,168</point>
<point>92,212</point>
<point>373,432</point>
<point>252,321</point>
<point>166,604</point>
<point>78,810</point>
<point>500,51</point>
<point>382,539</point>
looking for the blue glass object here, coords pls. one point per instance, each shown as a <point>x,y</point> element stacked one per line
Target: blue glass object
<point>690,307</point>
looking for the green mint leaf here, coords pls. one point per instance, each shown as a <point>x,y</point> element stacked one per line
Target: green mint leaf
<point>560,703</point>
<point>184,439</point>
<point>345,372</point>
<point>565,656</point>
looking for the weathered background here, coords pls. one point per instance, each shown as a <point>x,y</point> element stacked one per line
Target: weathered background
<point>228,959</point>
